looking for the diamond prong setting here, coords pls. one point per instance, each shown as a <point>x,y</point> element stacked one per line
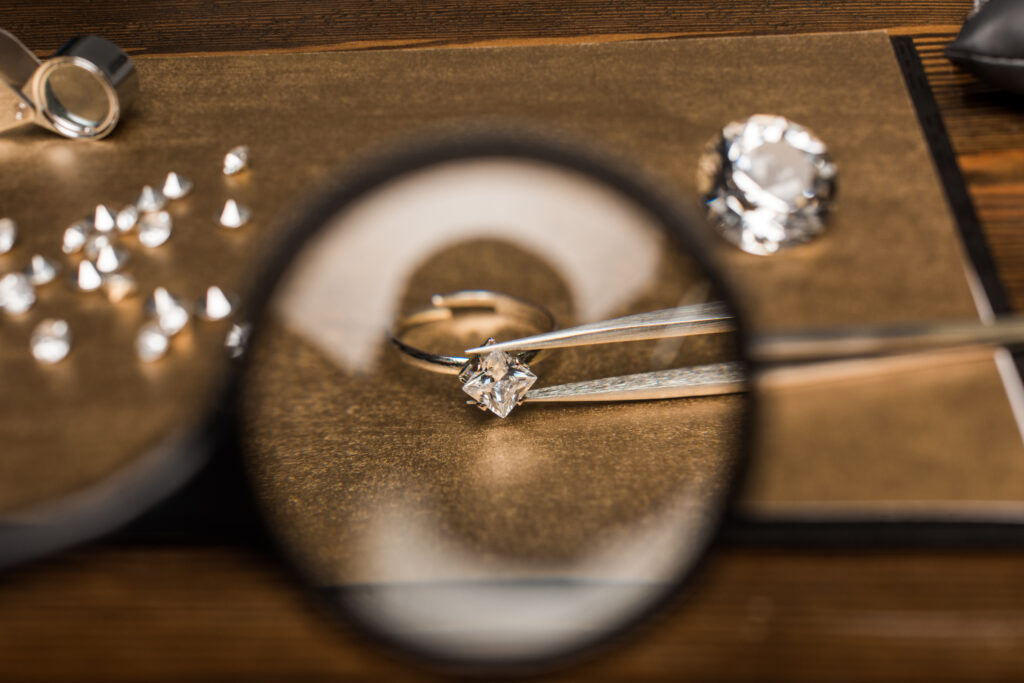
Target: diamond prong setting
<point>496,381</point>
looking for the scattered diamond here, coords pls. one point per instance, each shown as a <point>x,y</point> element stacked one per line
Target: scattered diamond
<point>17,294</point>
<point>237,339</point>
<point>154,229</point>
<point>151,343</point>
<point>168,310</point>
<point>234,215</point>
<point>41,270</point>
<point>50,341</point>
<point>127,218</point>
<point>236,160</point>
<point>8,234</point>
<point>496,381</point>
<point>216,304</point>
<point>119,286</point>
<point>176,186</point>
<point>75,237</point>
<point>767,183</point>
<point>150,200</point>
<point>96,242</point>
<point>103,220</point>
<point>111,259</point>
<point>86,278</point>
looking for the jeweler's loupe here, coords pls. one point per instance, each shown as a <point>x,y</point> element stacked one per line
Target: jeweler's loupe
<point>81,92</point>
<point>490,509</point>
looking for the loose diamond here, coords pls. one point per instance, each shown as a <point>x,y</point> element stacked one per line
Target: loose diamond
<point>150,200</point>
<point>95,243</point>
<point>496,381</point>
<point>237,340</point>
<point>176,186</point>
<point>86,278</point>
<point>236,160</point>
<point>75,237</point>
<point>8,234</point>
<point>169,312</point>
<point>103,219</point>
<point>155,229</point>
<point>119,286</point>
<point>41,270</point>
<point>767,184</point>
<point>151,343</point>
<point>127,218</point>
<point>17,294</point>
<point>50,341</point>
<point>111,259</point>
<point>215,304</point>
<point>234,215</point>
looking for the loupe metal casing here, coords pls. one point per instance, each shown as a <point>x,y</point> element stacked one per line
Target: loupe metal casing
<point>80,93</point>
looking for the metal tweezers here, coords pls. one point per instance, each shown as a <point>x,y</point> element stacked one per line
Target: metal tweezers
<point>774,350</point>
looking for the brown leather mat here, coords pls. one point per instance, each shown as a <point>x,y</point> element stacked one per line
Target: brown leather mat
<point>926,441</point>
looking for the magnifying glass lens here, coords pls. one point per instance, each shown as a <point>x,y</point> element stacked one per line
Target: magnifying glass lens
<point>76,96</point>
<point>523,533</point>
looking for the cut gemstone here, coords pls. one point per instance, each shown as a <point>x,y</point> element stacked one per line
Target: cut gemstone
<point>119,286</point>
<point>127,218</point>
<point>236,160</point>
<point>170,314</point>
<point>86,278</point>
<point>176,186</point>
<point>150,200</point>
<point>111,259</point>
<point>75,237</point>
<point>96,242</point>
<point>50,341</point>
<point>41,270</point>
<point>216,304</point>
<point>496,381</point>
<point>154,229</point>
<point>237,339</point>
<point>151,343</point>
<point>8,234</point>
<point>17,294</point>
<point>103,219</point>
<point>767,184</point>
<point>234,215</point>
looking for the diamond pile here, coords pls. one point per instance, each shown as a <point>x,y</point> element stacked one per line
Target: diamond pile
<point>98,250</point>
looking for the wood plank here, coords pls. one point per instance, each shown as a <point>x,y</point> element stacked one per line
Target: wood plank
<point>199,26</point>
<point>172,614</point>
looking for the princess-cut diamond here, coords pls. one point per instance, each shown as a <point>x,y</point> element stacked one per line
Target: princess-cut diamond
<point>767,183</point>
<point>496,381</point>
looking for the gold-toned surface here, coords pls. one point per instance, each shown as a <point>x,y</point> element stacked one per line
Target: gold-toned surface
<point>891,253</point>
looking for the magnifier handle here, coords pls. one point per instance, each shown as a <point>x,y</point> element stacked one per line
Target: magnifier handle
<point>17,64</point>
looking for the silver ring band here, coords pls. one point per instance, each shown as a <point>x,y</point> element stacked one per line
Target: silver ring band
<point>444,307</point>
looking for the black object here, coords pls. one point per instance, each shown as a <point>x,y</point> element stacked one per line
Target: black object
<point>991,45</point>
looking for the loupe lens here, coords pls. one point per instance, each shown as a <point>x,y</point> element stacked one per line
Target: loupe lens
<point>449,531</point>
<point>76,98</point>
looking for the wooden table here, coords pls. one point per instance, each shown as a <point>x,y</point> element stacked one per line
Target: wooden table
<point>216,611</point>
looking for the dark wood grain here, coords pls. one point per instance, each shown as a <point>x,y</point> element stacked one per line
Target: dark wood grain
<point>220,613</point>
<point>201,26</point>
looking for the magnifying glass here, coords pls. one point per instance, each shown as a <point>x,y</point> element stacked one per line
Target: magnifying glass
<point>492,535</point>
<point>81,92</point>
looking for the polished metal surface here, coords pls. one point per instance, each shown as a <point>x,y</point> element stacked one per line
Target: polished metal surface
<point>81,92</point>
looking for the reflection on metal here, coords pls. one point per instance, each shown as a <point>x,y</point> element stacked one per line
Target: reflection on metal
<point>80,92</point>
<point>699,380</point>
